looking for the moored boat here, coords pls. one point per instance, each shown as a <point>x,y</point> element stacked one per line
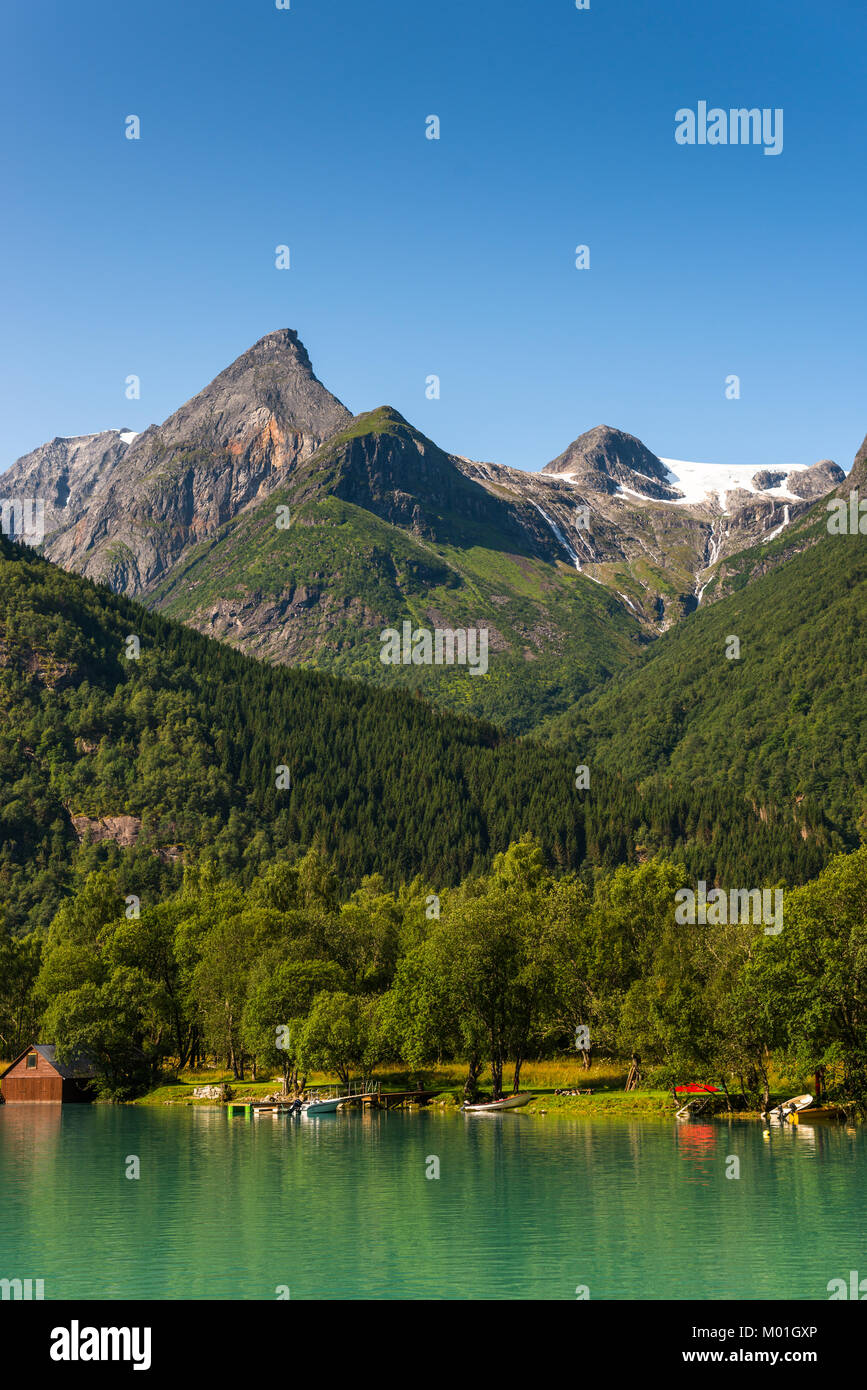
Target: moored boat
<point>316,1104</point>
<point>788,1107</point>
<point>507,1103</point>
<point>326,1105</point>
<point>816,1112</point>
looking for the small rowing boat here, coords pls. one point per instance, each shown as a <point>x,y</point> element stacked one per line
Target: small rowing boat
<point>490,1107</point>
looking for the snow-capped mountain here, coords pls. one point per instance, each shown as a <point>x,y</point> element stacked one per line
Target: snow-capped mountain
<point>385,522</point>
<point>713,482</point>
<point>653,528</point>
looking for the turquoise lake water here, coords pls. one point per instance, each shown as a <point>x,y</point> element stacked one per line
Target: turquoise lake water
<point>341,1207</point>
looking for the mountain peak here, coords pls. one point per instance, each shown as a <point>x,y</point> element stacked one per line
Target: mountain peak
<point>381,463</point>
<point>237,438</point>
<point>273,378</point>
<point>375,421</point>
<point>282,343</point>
<point>606,458</point>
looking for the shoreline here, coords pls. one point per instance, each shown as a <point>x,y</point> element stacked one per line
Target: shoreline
<point>648,1104</point>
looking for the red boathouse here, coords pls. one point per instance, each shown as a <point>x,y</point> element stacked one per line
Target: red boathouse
<point>37,1076</point>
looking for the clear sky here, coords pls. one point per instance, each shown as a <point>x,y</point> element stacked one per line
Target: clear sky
<point>412,257</point>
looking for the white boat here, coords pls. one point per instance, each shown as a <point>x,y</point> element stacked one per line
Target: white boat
<point>327,1106</point>
<point>507,1103</point>
<point>788,1107</point>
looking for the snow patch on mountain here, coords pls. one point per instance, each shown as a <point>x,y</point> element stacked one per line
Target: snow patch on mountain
<point>700,481</point>
<point>642,496</point>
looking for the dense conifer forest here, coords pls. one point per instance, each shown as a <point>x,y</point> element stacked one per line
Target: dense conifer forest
<point>188,739</point>
<point>784,724</point>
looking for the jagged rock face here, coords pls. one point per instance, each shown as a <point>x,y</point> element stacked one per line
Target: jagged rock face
<point>818,481</point>
<point>389,468</point>
<point>604,458</point>
<point>66,473</point>
<point>770,477</point>
<point>181,480</point>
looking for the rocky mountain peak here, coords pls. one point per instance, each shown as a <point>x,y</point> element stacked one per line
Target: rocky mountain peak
<point>236,439</point>
<point>67,473</point>
<point>605,459</point>
<point>282,340</point>
<point>816,481</point>
<point>274,379</point>
<point>382,463</point>
<point>282,349</point>
<point>130,509</point>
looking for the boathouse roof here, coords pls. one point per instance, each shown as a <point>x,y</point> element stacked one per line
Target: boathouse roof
<point>79,1068</point>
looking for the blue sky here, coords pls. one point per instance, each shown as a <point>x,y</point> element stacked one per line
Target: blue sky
<point>456,257</point>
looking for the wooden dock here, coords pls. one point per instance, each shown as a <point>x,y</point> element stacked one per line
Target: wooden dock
<point>385,1100</point>
<point>251,1108</point>
<point>391,1100</point>
<point>378,1099</point>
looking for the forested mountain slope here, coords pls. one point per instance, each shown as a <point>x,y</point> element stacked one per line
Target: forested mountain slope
<point>149,762</point>
<point>785,723</point>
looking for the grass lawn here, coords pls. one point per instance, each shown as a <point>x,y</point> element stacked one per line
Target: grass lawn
<point>605,1080</point>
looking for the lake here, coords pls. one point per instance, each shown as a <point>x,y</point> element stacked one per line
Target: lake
<point>340,1207</point>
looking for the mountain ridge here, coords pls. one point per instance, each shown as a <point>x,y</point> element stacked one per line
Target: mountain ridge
<point>210,457</point>
<point>386,525</point>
